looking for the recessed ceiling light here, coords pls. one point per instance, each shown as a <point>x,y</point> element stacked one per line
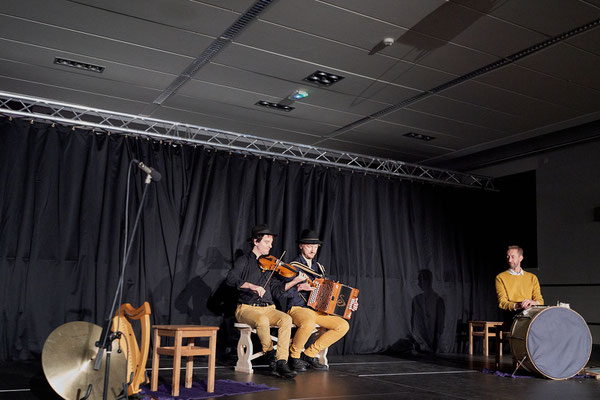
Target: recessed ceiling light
<point>419,136</point>
<point>298,94</point>
<point>323,78</point>
<point>274,106</point>
<point>79,65</point>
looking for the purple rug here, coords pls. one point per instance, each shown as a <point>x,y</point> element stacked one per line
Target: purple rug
<point>506,375</point>
<point>223,387</point>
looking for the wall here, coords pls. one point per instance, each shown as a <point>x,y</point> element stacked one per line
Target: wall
<point>568,239</point>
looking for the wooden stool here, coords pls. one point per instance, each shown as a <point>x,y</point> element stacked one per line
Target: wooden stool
<point>178,350</point>
<point>501,338</point>
<point>487,332</point>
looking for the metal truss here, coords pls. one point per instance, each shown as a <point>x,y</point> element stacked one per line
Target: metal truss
<point>70,114</point>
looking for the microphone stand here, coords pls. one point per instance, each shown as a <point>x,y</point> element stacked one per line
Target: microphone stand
<point>108,336</point>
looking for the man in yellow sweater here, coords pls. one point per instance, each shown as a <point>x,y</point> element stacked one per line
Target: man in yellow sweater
<point>516,289</point>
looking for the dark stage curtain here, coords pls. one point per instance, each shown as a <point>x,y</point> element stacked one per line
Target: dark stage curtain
<point>419,253</point>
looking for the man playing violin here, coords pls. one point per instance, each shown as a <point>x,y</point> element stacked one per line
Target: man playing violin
<point>256,307</point>
<point>295,304</point>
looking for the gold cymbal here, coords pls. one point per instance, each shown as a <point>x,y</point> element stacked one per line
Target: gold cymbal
<point>68,360</point>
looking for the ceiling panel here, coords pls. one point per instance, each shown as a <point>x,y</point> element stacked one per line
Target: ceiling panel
<point>543,87</point>
<point>568,63</point>
<point>539,112</point>
<point>67,95</point>
<point>355,142</point>
<point>406,15</point>
<point>315,18</point>
<point>588,41</point>
<point>479,120</point>
<point>92,46</point>
<point>30,55</point>
<point>438,126</point>
<point>272,65</point>
<point>550,17</point>
<point>75,18</point>
<point>438,54</point>
<point>145,45</point>
<point>75,80</point>
<point>279,89</point>
<point>258,116</point>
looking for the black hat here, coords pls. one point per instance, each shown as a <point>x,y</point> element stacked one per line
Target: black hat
<point>262,229</point>
<point>309,237</point>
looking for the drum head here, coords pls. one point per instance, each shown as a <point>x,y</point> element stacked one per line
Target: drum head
<point>559,342</point>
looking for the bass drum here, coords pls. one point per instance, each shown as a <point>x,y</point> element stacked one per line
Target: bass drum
<point>553,341</point>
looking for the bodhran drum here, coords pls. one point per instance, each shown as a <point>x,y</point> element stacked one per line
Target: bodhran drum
<point>553,341</point>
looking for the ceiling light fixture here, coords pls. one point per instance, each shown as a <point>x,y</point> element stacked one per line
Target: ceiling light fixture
<point>419,136</point>
<point>274,106</point>
<point>298,95</point>
<point>79,65</point>
<point>323,78</point>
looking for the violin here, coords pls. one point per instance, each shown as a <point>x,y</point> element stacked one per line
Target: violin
<point>272,263</point>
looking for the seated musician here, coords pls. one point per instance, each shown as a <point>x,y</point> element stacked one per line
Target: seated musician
<point>256,307</point>
<point>517,290</point>
<point>293,299</point>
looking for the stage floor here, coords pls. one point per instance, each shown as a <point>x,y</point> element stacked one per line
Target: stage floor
<point>421,377</point>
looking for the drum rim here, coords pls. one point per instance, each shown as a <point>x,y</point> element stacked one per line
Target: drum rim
<point>546,308</point>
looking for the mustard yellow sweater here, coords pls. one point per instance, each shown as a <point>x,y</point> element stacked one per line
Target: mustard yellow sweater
<point>512,289</point>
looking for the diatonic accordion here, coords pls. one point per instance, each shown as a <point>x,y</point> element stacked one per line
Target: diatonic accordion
<point>332,297</point>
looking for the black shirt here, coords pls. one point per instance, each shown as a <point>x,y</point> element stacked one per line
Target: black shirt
<point>246,269</point>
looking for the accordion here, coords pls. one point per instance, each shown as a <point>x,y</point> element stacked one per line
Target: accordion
<point>332,297</point>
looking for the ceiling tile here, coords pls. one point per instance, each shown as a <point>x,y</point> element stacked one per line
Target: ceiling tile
<point>59,39</point>
<point>470,119</point>
<point>544,87</point>
<point>540,113</point>
<point>550,17</point>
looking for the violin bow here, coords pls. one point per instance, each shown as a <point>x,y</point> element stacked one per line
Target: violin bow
<point>305,268</point>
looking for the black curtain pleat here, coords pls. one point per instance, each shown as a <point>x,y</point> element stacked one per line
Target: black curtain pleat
<point>419,253</point>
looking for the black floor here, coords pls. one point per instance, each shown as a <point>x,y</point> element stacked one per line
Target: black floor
<point>358,377</point>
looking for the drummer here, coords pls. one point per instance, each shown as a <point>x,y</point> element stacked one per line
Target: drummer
<point>517,290</point>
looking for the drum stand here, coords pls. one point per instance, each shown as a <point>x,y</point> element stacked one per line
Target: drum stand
<point>519,363</point>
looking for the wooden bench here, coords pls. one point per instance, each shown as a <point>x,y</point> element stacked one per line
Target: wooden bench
<point>245,348</point>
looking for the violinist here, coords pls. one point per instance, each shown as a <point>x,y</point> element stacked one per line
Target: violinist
<point>293,295</point>
<point>256,307</point>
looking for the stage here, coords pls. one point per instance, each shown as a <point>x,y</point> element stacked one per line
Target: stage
<point>418,376</point>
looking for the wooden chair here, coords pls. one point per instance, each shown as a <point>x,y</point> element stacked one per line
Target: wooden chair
<point>136,356</point>
<point>178,350</point>
<point>488,331</point>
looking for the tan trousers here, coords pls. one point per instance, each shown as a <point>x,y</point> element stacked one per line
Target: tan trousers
<point>306,319</point>
<point>261,319</point>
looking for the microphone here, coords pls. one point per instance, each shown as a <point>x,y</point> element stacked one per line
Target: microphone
<point>154,174</point>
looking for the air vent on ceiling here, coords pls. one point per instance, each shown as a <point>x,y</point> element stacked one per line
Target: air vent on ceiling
<point>79,65</point>
<point>419,136</point>
<point>323,78</point>
<point>274,106</point>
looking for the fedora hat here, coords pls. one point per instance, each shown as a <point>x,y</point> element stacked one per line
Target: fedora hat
<point>308,236</point>
<point>262,229</point>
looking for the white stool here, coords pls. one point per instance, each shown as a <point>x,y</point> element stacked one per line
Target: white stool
<point>245,349</point>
